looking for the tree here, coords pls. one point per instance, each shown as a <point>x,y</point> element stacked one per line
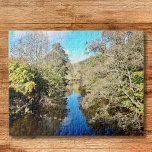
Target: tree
<point>32,47</point>
<point>21,78</point>
<point>120,79</point>
<point>124,54</point>
<point>55,69</point>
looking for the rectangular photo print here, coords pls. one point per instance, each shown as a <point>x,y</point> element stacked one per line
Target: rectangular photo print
<point>76,83</point>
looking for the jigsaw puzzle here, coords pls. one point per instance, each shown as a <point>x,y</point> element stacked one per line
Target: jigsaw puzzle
<point>76,83</point>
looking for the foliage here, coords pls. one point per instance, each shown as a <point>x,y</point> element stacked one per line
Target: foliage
<point>48,68</point>
<point>112,79</point>
<point>20,76</point>
<point>116,75</point>
<point>32,47</point>
<point>55,69</point>
<point>35,73</point>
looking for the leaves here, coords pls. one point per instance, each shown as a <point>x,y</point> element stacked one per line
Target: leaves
<point>115,73</point>
<point>20,76</point>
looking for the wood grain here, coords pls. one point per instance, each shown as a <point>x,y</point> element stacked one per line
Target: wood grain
<point>74,15</point>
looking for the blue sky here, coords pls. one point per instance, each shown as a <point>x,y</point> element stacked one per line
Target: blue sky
<point>72,41</point>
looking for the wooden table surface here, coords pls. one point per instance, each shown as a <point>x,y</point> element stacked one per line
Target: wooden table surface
<point>74,15</point>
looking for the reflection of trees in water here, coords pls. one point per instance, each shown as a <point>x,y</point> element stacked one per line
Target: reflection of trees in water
<point>100,127</point>
<point>45,122</point>
<point>44,116</point>
<point>74,86</point>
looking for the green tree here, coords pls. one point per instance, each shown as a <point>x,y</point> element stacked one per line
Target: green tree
<point>55,69</point>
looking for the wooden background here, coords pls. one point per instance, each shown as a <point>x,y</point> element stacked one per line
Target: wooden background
<point>74,15</point>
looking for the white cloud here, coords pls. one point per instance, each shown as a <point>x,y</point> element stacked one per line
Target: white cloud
<point>77,59</point>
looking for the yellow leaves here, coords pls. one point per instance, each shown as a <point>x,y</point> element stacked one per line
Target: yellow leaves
<point>29,86</point>
<point>127,103</point>
<point>140,110</point>
<point>78,75</point>
<point>21,78</point>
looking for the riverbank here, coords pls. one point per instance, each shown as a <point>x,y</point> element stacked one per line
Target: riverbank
<point>41,119</point>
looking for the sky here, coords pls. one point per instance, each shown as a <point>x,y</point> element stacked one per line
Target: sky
<point>73,42</point>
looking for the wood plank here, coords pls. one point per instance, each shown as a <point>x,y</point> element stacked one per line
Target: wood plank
<point>76,11</point>
<point>147,28</point>
<point>81,142</point>
<point>68,150</point>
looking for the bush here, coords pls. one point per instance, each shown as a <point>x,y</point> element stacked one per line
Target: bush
<point>21,78</point>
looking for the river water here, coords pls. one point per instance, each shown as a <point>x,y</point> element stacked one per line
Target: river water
<point>75,122</point>
<point>69,122</point>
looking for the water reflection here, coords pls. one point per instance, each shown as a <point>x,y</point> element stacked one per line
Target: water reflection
<point>75,122</point>
<point>63,119</point>
<point>36,125</point>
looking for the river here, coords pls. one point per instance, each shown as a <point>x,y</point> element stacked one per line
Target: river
<point>75,122</point>
<point>69,122</point>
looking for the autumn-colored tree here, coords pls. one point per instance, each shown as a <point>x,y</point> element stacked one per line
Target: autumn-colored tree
<point>21,78</point>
